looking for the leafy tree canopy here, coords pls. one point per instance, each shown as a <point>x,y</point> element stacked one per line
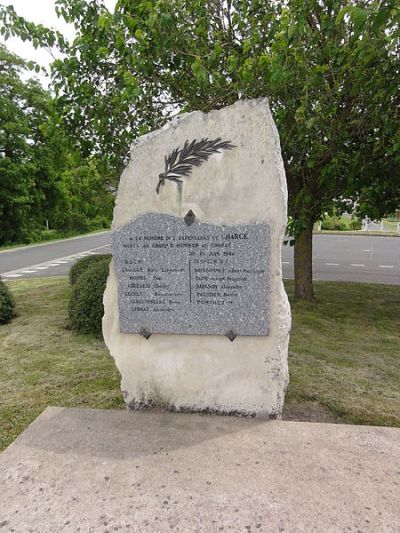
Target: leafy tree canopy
<point>42,177</point>
<point>23,108</point>
<point>330,69</point>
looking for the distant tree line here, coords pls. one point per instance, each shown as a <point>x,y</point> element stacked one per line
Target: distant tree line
<point>44,180</point>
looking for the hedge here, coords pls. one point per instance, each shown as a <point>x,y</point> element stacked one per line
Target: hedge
<point>80,266</point>
<point>7,304</point>
<point>86,305</point>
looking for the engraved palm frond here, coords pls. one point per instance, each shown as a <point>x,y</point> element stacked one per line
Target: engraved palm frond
<point>180,162</point>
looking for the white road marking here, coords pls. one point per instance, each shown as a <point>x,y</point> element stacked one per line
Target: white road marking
<point>285,263</point>
<point>42,268</point>
<point>357,265</point>
<point>332,264</point>
<point>385,266</point>
<point>11,275</point>
<point>367,250</point>
<point>28,271</point>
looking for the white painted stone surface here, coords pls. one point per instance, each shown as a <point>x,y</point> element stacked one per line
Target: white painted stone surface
<point>245,185</point>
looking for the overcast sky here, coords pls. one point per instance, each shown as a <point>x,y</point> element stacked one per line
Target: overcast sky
<point>43,12</point>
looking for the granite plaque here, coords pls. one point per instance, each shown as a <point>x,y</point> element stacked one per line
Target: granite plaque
<point>192,278</point>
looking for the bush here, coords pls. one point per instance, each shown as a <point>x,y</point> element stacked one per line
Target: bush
<point>83,264</point>
<point>333,223</point>
<point>86,305</point>
<point>355,224</point>
<point>7,304</point>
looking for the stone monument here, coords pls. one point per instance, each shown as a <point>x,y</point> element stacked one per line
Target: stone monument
<point>196,315</point>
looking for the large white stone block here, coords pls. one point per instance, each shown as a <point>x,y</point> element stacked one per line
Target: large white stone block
<point>245,185</point>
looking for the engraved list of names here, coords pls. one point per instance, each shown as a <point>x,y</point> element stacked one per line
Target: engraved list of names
<point>197,279</point>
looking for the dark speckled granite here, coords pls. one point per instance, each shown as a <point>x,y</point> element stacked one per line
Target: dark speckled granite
<point>197,279</point>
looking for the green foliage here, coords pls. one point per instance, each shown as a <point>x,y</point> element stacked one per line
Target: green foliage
<point>329,68</point>
<point>86,305</point>
<point>333,223</point>
<point>43,179</point>
<point>86,203</point>
<point>339,223</point>
<point>7,304</point>
<point>86,262</point>
<point>39,35</point>
<point>355,224</point>
<point>23,107</point>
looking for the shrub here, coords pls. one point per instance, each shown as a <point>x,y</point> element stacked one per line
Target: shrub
<point>83,264</point>
<point>7,304</point>
<point>86,305</point>
<point>355,224</point>
<point>327,224</point>
<point>333,223</point>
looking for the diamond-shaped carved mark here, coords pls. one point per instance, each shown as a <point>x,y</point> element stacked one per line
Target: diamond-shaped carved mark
<point>145,333</point>
<point>231,335</point>
<point>190,217</point>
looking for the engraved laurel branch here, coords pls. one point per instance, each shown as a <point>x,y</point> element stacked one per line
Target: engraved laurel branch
<point>180,162</point>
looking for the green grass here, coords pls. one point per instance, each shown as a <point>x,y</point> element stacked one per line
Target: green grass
<point>344,357</point>
<point>344,352</point>
<point>42,362</point>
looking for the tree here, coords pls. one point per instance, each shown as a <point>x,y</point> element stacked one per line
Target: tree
<point>330,70</point>
<point>331,77</point>
<point>42,177</point>
<point>22,107</point>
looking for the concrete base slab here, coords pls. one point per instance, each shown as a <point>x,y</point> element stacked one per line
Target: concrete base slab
<point>102,471</point>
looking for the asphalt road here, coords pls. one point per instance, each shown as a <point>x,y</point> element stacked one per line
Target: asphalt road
<point>361,258</point>
<point>53,258</point>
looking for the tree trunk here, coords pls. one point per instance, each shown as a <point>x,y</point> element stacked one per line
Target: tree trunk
<point>303,281</point>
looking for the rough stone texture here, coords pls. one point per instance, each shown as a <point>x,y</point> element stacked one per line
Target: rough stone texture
<point>103,471</point>
<point>174,278</point>
<point>243,186</point>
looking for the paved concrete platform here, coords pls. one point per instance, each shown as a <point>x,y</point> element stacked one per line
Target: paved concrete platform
<point>103,471</point>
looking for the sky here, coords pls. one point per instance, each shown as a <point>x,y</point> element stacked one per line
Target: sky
<point>40,12</point>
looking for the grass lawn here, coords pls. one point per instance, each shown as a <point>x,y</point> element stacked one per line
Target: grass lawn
<point>344,352</point>
<point>43,363</point>
<point>344,357</point>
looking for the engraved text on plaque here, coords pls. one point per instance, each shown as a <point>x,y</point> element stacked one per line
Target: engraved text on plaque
<point>197,279</point>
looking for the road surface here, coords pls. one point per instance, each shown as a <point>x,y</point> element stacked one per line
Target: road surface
<point>52,258</point>
<point>362,258</point>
